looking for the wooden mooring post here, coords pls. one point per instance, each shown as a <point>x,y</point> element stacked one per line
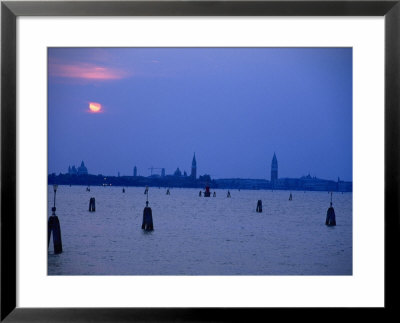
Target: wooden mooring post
<point>92,204</point>
<point>147,223</point>
<point>53,227</point>
<point>259,206</point>
<point>330,215</point>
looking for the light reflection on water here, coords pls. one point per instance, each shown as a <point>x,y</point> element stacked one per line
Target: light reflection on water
<point>201,236</point>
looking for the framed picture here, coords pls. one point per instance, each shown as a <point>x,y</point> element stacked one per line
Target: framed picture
<point>197,157</point>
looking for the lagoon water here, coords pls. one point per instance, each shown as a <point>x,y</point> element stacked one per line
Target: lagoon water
<point>200,236</point>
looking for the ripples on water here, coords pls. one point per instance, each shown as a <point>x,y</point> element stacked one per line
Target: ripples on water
<point>201,236</point>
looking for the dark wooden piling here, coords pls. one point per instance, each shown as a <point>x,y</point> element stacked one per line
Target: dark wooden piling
<point>229,194</point>
<point>330,215</point>
<point>55,229</point>
<point>259,206</point>
<point>147,223</point>
<point>92,204</point>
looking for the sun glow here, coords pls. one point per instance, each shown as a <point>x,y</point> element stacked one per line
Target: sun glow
<point>94,107</point>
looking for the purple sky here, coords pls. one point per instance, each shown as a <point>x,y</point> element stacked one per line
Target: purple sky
<point>233,107</point>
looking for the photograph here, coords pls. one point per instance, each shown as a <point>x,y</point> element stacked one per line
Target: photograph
<point>200,161</point>
<point>197,161</point>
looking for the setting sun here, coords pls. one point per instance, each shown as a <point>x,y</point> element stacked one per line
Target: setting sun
<point>94,107</point>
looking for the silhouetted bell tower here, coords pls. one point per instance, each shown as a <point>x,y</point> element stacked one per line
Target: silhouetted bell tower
<point>193,174</point>
<point>274,171</point>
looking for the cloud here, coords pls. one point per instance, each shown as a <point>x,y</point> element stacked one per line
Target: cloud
<point>86,71</point>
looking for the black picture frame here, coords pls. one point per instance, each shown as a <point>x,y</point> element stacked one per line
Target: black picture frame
<point>10,10</point>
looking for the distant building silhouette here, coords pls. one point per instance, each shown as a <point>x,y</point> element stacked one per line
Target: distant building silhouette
<point>162,172</point>
<point>72,170</point>
<point>193,174</point>
<point>134,171</point>
<point>178,173</point>
<point>274,171</point>
<point>82,170</point>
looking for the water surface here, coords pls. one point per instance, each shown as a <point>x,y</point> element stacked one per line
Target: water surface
<point>201,236</point>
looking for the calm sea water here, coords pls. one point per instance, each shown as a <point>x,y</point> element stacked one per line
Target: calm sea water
<point>201,236</point>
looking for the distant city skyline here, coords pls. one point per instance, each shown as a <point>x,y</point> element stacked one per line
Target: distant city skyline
<point>117,108</point>
<point>82,170</point>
